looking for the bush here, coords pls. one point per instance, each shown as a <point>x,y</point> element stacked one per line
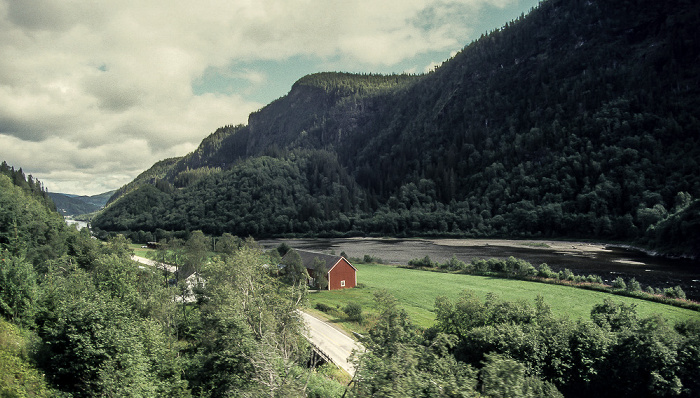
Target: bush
<point>480,265</point>
<point>674,292</point>
<point>323,307</point>
<point>367,259</point>
<point>544,271</point>
<point>619,283</point>
<point>354,312</point>
<point>454,264</point>
<point>566,275</point>
<point>424,262</point>
<point>634,286</point>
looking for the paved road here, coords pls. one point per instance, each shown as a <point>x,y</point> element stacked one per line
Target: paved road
<point>334,343</point>
<point>147,261</point>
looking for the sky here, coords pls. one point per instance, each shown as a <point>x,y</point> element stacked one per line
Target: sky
<point>92,93</point>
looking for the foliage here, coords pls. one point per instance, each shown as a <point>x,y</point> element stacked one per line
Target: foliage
<point>18,378</point>
<point>249,339</point>
<point>105,333</point>
<point>18,289</point>
<point>617,354</point>
<point>105,326</point>
<point>294,271</point>
<point>573,121</point>
<point>28,184</point>
<point>401,362</point>
<point>29,227</point>
<point>354,312</point>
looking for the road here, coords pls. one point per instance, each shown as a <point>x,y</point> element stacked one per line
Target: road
<point>334,343</point>
<point>146,261</point>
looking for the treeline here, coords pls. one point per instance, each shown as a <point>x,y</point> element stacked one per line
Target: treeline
<point>27,183</point>
<point>79,318</point>
<point>496,348</point>
<point>575,121</point>
<point>520,269</point>
<point>309,193</point>
<point>302,192</point>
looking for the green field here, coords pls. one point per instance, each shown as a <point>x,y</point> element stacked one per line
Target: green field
<point>416,290</point>
<point>139,251</point>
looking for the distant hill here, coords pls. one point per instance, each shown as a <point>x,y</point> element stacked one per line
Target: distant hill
<point>72,205</point>
<point>578,120</point>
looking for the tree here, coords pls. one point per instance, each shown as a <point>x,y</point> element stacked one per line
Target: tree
<point>502,377</point>
<point>294,271</point>
<point>614,316</point>
<point>197,248</point>
<point>18,289</point>
<point>250,336</point>
<point>228,243</point>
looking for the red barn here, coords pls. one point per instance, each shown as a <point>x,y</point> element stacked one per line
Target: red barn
<point>327,271</point>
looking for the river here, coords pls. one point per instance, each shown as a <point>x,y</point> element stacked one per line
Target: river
<point>607,261</point>
<point>78,224</point>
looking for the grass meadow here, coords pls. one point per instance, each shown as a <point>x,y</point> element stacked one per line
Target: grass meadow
<point>416,291</point>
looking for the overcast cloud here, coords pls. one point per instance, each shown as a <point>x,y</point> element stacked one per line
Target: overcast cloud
<point>92,93</point>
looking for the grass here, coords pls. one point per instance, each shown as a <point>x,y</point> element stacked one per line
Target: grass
<point>535,244</point>
<point>139,251</point>
<point>416,291</point>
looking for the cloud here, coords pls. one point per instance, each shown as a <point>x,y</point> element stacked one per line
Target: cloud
<point>93,93</point>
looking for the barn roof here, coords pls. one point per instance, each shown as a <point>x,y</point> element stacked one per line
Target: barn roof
<point>308,259</point>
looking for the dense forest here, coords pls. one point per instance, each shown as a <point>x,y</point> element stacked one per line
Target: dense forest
<point>79,318</point>
<point>578,120</point>
<point>73,205</point>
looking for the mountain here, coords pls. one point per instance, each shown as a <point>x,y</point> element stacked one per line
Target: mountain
<point>578,120</point>
<point>72,205</point>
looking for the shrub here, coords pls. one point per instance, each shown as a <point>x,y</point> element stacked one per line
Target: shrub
<point>353,311</point>
<point>634,286</point>
<point>545,271</point>
<point>323,307</point>
<point>454,264</point>
<point>367,259</point>
<point>566,275</point>
<point>480,265</point>
<point>424,262</point>
<point>674,292</point>
<point>679,292</point>
<point>619,283</point>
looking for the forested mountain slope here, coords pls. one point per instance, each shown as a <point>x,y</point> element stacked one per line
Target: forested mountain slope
<point>577,120</point>
<point>72,205</point>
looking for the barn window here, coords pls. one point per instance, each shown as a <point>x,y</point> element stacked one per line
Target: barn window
<point>342,283</point>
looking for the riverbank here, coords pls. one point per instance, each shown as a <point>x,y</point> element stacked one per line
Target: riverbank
<point>608,261</point>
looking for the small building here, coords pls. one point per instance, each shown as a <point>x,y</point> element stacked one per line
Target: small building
<point>152,245</point>
<point>336,271</point>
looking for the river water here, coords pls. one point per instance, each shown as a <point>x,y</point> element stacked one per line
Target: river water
<point>582,258</point>
<point>78,224</point>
